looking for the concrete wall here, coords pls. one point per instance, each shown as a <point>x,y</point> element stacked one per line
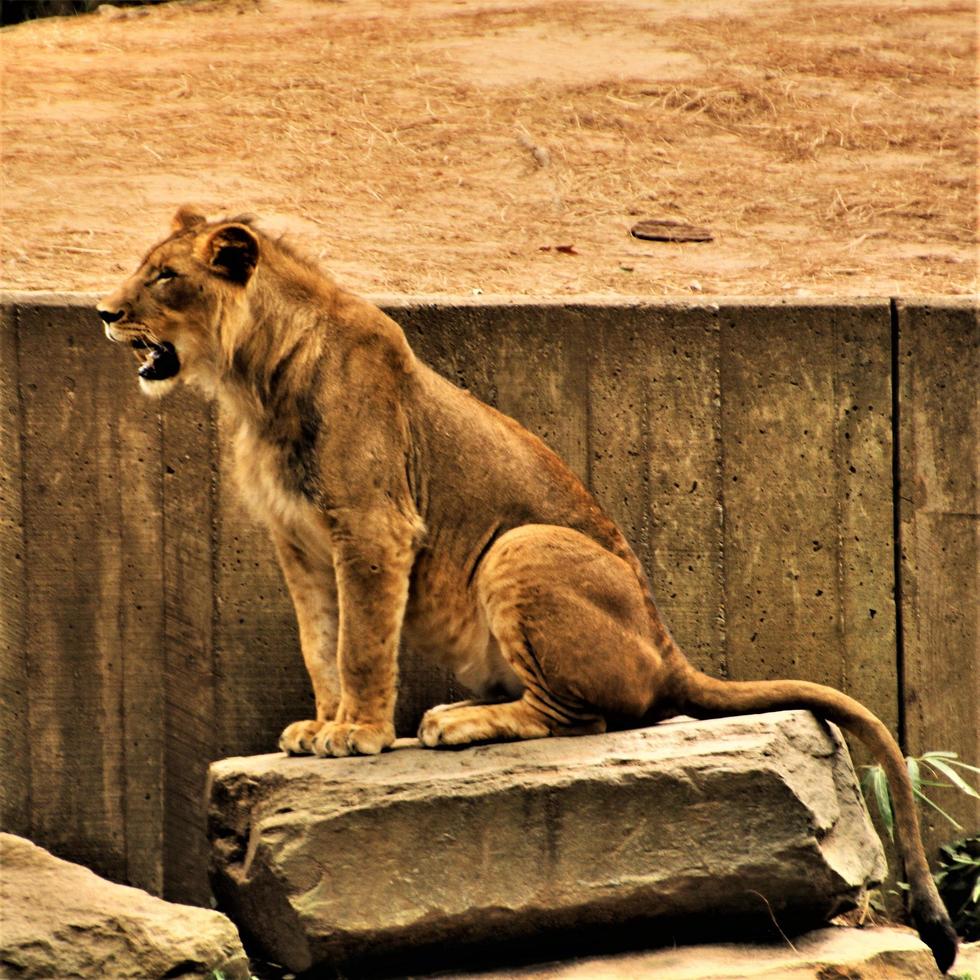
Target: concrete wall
<point>750,450</point>
<point>937,358</point>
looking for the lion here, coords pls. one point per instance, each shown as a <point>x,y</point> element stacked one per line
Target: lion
<point>402,507</point>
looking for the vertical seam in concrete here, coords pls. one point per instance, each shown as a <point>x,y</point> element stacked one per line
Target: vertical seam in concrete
<point>165,760</point>
<point>643,544</point>
<point>724,653</point>
<point>214,489</point>
<point>585,353</point>
<point>897,543</point>
<point>24,565</point>
<point>161,779</point>
<point>839,490</point>
<point>124,679</point>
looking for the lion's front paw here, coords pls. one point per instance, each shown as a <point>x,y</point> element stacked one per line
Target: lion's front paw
<point>297,738</point>
<point>340,738</point>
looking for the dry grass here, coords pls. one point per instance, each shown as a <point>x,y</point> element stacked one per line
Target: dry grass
<point>830,148</point>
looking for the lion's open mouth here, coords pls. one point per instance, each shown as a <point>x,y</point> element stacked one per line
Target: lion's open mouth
<point>159,362</point>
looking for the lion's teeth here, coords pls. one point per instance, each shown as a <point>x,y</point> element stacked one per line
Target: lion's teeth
<point>161,363</point>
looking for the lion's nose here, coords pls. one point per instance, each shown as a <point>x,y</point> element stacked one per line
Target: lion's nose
<point>110,316</point>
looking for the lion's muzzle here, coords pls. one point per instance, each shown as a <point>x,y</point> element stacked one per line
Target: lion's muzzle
<point>160,360</point>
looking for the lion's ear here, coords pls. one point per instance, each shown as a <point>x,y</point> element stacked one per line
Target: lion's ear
<point>187,217</point>
<point>232,252</point>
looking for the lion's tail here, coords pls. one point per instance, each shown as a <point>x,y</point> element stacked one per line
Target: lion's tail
<point>701,696</point>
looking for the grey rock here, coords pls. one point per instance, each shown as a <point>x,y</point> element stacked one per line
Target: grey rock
<point>716,825</point>
<point>58,919</point>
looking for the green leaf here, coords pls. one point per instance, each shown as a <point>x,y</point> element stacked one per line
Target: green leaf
<point>912,764</point>
<point>953,776</point>
<point>925,799</point>
<point>879,789</point>
<point>963,765</point>
<point>951,757</point>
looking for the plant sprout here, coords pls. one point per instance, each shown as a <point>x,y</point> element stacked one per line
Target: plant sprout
<point>941,771</point>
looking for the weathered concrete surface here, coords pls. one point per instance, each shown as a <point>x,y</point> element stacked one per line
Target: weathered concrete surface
<point>744,445</point>
<point>61,920</point>
<point>836,953</point>
<point>807,490</point>
<point>734,820</point>
<point>938,366</point>
<point>86,578</point>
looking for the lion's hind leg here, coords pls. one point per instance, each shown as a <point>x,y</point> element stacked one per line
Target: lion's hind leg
<point>570,620</point>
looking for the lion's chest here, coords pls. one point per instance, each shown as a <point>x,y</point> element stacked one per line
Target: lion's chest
<point>268,487</point>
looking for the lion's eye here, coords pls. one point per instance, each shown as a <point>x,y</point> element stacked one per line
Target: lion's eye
<point>166,273</point>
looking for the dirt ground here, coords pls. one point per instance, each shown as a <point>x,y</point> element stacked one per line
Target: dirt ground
<point>451,146</point>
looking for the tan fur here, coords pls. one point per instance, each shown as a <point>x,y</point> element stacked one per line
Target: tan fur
<point>401,506</point>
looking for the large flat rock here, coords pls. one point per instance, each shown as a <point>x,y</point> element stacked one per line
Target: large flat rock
<point>58,919</point>
<point>716,825</point>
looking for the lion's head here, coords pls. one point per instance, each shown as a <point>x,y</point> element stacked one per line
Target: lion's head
<point>170,310</point>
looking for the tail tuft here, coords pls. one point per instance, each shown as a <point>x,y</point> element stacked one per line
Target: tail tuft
<point>937,932</point>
